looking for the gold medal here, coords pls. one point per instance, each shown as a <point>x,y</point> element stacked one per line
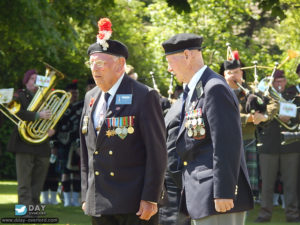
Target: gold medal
<point>130,130</point>
<point>112,132</point>
<point>84,130</point>
<point>108,133</point>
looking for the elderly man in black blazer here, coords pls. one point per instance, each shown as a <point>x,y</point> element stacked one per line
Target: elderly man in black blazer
<point>123,152</point>
<point>216,186</point>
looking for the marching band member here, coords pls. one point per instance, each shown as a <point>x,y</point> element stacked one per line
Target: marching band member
<point>32,160</point>
<point>274,157</point>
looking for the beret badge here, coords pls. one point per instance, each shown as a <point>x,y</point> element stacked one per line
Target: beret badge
<point>104,33</point>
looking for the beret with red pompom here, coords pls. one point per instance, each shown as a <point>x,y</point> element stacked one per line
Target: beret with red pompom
<point>104,44</point>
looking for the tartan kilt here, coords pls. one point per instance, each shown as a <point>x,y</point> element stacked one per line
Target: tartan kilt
<point>252,162</point>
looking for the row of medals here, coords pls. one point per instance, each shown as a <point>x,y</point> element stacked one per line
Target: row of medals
<point>116,128</point>
<point>194,123</point>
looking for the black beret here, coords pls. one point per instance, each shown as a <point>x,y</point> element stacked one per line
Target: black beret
<point>181,42</point>
<point>116,48</point>
<point>231,64</point>
<point>298,68</point>
<point>278,74</point>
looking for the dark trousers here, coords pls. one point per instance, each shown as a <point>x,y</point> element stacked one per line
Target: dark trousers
<point>31,174</point>
<point>287,164</point>
<point>123,219</point>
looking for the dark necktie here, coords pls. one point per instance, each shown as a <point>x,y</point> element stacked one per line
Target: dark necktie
<point>185,94</point>
<point>106,97</point>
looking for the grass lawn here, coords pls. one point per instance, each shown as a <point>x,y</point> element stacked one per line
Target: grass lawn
<point>74,215</point>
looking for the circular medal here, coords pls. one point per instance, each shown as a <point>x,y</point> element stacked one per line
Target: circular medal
<point>199,121</point>
<point>202,131</point>
<point>130,130</point>
<point>194,122</point>
<point>190,133</point>
<point>124,131</point>
<point>195,132</point>
<point>118,130</point>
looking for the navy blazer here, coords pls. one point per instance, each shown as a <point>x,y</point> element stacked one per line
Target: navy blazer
<point>214,166</point>
<point>117,174</point>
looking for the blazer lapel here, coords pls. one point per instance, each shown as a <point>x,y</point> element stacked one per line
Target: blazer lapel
<point>197,94</point>
<point>92,110</point>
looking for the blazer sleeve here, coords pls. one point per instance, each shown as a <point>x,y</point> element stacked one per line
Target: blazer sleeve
<point>224,122</point>
<point>153,131</point>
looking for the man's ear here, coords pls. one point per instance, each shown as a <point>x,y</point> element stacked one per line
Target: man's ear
<point>187,54</point>
<point>121,64</point>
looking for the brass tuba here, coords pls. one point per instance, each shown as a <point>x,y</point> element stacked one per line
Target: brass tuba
<point>57,101</point>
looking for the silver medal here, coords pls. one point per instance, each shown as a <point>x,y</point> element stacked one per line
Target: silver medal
<point>202,131</point>
<point>194,122</point>
<point>190,132</point>
<point>118,130</point>
<point>124,131</point>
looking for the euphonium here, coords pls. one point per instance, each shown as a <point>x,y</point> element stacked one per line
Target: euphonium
<point>56,101</point>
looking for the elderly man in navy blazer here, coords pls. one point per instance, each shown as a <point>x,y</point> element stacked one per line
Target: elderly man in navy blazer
<point>123,152</point>
<point>216,187</point>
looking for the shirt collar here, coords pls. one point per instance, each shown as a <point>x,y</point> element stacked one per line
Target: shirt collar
<point>112,91</point>
<point>193,82</point>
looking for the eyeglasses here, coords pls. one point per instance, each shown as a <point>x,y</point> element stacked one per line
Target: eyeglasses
<point>97,63</point>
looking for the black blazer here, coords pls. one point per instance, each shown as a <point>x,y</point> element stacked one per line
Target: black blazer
<point>117,174</point>
<point>214,164</point>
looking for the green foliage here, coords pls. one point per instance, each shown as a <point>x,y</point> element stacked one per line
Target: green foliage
<point>7,159</point>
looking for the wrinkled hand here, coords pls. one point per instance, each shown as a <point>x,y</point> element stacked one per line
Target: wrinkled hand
<point>258,118</point>
<point>83,207</point>
<point>51,132</point>
<point>223,205</point>
<point>46,114</point>
<point>147,210</point>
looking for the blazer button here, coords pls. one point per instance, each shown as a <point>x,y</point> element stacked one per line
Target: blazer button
<point>112,174</point>
<point>96,152</point>
<point>97,173</point>
<point>110,152</point>
<point>185,163</point>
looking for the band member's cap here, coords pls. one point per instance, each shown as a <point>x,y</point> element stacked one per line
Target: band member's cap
<point>28,74</point>
<point>279,74</point>
<point>231,64</point>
